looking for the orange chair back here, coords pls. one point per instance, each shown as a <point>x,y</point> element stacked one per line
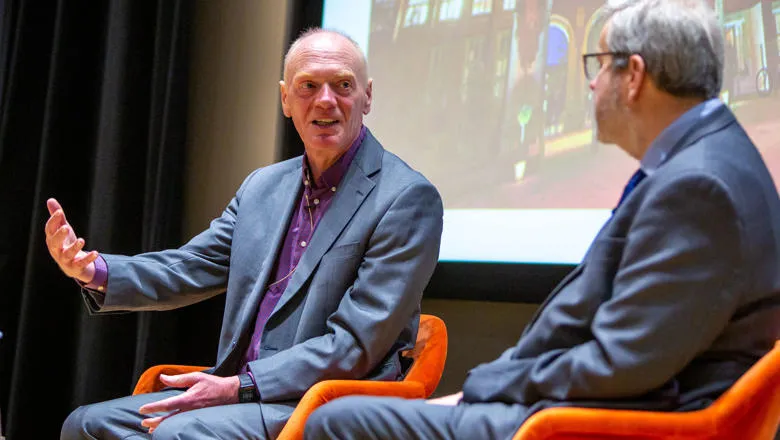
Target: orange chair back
<point>749,410</point>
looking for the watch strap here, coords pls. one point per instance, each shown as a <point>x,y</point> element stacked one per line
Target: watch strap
<point>247,391</point>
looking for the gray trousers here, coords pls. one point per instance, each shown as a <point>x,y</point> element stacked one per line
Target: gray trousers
<point>119,419</point>
<point>362,417</point>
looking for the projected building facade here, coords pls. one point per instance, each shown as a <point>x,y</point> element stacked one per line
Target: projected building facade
<point>495,89</point>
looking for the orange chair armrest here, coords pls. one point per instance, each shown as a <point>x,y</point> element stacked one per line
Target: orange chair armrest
<point>328,390</point>
<point>567,423</point>
<point>149,381</point>
<point>429,363</point>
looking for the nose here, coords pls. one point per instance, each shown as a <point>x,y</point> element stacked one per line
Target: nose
<point>326,97</point>
<point>592,84</point>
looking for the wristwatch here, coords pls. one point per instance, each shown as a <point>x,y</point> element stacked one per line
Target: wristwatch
<point>247,391</point>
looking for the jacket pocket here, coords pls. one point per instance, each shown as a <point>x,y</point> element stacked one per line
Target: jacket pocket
<point>343,251</point>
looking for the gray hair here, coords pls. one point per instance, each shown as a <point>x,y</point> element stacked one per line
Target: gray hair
<point>296,45</point>
<point>680,41</point>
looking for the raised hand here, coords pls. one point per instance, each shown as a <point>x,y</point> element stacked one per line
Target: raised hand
<point>65,248</point>
<point>203,390</point>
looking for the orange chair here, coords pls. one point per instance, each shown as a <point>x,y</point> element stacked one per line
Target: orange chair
<point>429,354</point>
<point>749,410</point>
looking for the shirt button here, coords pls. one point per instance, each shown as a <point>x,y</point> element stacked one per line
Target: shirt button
<point>316,201</point>
<point>333,188</point>
<point>303,244</point>
<point>306,182</point>
<point>100,288</point>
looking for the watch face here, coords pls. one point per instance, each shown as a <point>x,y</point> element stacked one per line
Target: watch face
<point>246,395</point>
<point>246,389</point>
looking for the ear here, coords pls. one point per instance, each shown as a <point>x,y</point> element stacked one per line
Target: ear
<point>283,93</point>
<point>637,73</point>
<point>369,95</point>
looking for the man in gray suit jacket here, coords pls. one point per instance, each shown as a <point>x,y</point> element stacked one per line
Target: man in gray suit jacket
<point>678,295</point>
<point>323,260</point>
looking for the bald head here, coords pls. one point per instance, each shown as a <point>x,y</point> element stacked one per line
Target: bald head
<point>323,41</point>
<point>326,92</point>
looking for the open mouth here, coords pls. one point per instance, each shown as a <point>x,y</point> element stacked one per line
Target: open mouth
<point>325,122</point>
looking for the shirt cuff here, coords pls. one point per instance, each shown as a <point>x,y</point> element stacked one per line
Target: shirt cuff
<point>100,278</point>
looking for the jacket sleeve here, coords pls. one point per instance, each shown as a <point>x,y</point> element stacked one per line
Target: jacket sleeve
<point>171,278</point>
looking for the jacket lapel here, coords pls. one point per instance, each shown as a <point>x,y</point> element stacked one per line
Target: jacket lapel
<point>566,280</point>
<point>280,204</point>
<point>355,187</point>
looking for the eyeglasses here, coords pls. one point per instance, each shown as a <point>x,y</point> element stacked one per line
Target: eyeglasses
<point>592,62</point>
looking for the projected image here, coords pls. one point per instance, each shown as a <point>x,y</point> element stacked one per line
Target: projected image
<point>487,97</point>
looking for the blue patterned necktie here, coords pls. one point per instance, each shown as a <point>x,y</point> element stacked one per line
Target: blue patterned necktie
<point>632,183</point>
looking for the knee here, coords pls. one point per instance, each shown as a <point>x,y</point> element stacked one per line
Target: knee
<point>181,427</point>
<point>172,428</point>
<point>77,425</point>
<point>336,419</point>
<point>316,423</point>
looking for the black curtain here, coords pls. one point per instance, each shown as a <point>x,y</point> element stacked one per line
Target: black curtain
<point>301,15</point>
<point>94,114</point>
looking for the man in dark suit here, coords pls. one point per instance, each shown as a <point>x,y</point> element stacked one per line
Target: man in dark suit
<point>323,259</point>
<point>679,293</point>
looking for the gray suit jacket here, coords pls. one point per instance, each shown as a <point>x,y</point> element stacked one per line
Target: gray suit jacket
<point>676,298</point>
<point>352,304</point>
